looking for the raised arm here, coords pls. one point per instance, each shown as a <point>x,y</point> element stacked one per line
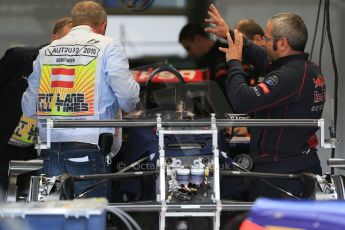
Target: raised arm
<point>220,27</point>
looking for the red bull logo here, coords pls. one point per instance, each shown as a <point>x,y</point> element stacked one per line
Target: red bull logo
<point>319,96</point>
<point>319,81</point>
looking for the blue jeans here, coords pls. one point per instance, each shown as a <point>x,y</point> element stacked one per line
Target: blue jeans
<point>76,158</point>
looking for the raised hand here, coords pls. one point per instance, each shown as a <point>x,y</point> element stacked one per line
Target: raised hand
<point>220,26</point>
<point>234,52</point>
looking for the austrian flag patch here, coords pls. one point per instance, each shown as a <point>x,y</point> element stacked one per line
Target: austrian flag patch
<point>264,88</point>
<point>62,78</point>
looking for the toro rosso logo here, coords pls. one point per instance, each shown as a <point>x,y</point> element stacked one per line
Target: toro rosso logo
<point>319,81</point>
<point>272,80</point>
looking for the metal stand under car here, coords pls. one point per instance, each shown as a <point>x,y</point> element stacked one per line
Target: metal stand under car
<point>164,202</point>
<point>192,210</point>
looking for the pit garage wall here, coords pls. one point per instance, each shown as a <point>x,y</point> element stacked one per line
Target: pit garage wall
<point>234,10</point>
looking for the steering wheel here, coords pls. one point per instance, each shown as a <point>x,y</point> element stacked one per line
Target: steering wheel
<point>161,68</point>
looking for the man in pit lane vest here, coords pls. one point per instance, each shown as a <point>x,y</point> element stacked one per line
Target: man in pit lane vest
<point>83,76</point>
